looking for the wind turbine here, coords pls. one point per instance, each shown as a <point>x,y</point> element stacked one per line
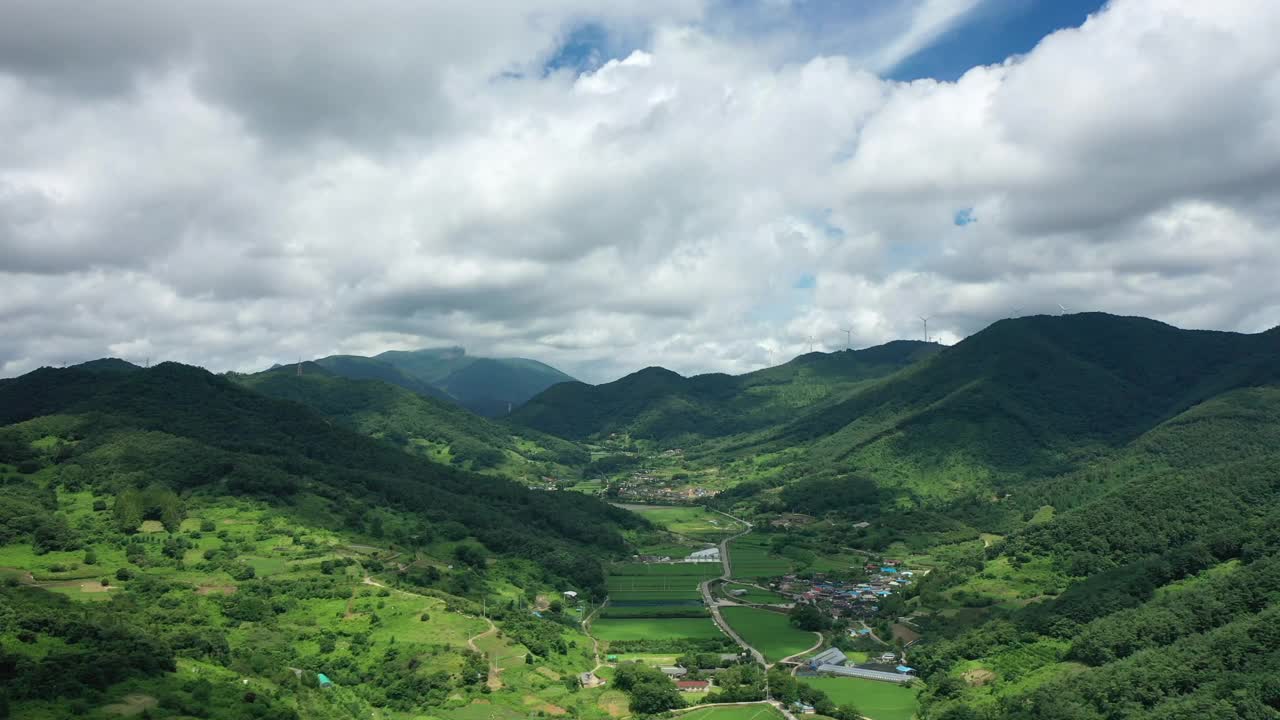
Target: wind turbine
<point>1062,308</point>
<point>811,339</point>
<point>925,320</point>
<point>848,337</point>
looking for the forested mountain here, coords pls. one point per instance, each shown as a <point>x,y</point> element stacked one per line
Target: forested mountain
<point>438,429</point>
<point>487,386</point>
<point>174,544</point>
<point>658,404</point>
<point>184,429</point>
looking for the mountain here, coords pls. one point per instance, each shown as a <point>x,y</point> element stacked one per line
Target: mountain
<point>487,386</point>
<point>241,545</point>
<point>419,423</point>
<point>658,404</point>
<point>108,365</point>
<point>183,428</point>
<point>1030,397</point>
<point>358,367</point>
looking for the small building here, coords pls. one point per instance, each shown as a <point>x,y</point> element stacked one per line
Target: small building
<point>738,593</point>
<point>611,658</point>
<point>325,682</point>
<point>588,679</point>
<point>888,658</point>
<point>802,708</point>
<point>830,656</point>
<point>674,671</point>
<point>570,595</point>
<point>905,669</point>
<point>693,685</point>
<point>711,554</point>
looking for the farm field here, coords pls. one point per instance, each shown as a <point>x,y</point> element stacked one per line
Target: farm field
<point>692,522</point>
<point>670,590</point>
<point>749,558</point>
<point>753,595</point>
<point>876,700</point>
<point>757,711</point>
<point>770,632</point>
<point>654,628</point>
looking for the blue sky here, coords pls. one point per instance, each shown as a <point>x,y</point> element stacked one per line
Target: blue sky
<point>995,30</point>
<point>990,32</point>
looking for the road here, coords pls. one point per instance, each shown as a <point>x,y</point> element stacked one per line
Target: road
<point>714,606</point>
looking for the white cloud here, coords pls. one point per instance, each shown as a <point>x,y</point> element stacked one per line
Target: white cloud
<point>406,175</point>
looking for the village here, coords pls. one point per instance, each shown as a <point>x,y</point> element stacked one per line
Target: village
<point>839,598</point>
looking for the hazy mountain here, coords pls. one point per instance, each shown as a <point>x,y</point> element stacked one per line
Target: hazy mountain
<point>488,386</point>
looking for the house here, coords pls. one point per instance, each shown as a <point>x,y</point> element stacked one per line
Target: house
<point>674,671</point>
<point>861,525</point>
<point>570,595</point>
<point>693,685</point>
<point>888,658</point>
<point>889,570</point>
<point>830,656</point>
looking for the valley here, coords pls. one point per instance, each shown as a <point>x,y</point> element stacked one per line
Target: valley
<point>1060,517</point>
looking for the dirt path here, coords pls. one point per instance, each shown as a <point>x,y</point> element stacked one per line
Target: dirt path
<point>791,658</point>
<point>494,681</point>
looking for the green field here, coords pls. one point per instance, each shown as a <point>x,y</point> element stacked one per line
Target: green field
<point>769,632</point>
<point>750,558</point>
<point>758,711</point>
<point>753,595</point>
<point>876,700</point>
<point>692,522</point>
<point>657,590</point>
<point>654,628</point>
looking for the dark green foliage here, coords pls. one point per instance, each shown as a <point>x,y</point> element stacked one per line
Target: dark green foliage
<point>650,690</point>
<point>104,646</point>
<point>809,617</point>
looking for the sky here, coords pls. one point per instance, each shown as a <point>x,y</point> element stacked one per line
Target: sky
<point>706,185</point>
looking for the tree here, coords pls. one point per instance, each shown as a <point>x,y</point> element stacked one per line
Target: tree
<point>653,697</point>
<point>808,617</point>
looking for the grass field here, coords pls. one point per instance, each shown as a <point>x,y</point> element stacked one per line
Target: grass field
<point>876,700</point>
<point>753,595</point>
<point>654,628</point>
<point>692,522</point>
<point>769,632</point>
<point>758,711</point>
<point>749,558</point>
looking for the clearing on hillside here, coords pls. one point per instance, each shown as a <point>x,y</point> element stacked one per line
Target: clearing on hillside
<point>876,700</point>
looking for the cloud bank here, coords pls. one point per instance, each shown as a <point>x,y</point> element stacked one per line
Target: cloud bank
<point>232,185</point>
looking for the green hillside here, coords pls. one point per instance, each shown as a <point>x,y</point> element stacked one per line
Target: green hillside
<point>437,429</point>
<point>1153,592</point>
<point>1025,398</point>
<point>358,367</point>
<point>176,545</point>
<point>658,404</point>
